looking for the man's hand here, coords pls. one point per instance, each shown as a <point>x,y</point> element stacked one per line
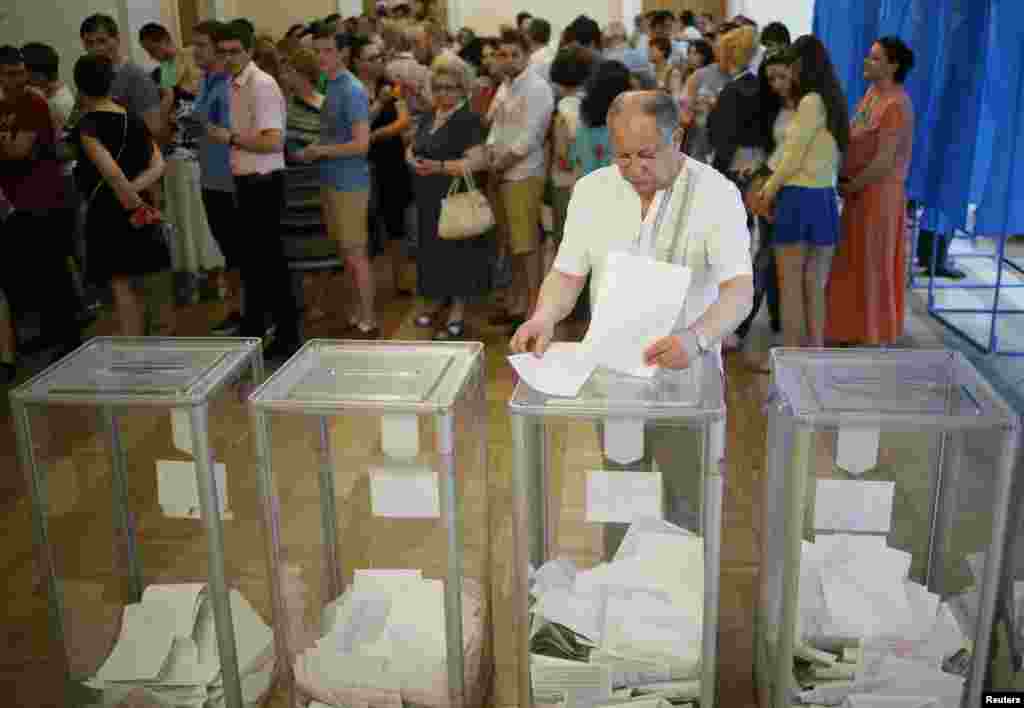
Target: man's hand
<point>218,134</point>
<point>667,353</point>
<point>537,330</point>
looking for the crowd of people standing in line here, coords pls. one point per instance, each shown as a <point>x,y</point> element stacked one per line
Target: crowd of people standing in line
<point>389,111</point>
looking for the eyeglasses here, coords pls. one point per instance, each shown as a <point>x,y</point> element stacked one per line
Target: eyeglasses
<point>645,157</point>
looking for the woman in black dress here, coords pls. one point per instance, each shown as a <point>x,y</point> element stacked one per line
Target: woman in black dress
<point>391,188</point>
<point>119,162</point>
<point>447,271</point>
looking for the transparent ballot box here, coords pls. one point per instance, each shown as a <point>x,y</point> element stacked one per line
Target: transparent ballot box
<point>136,454</point>
<point>886,500</point>
<point>617,508</point>
<point>372,461</point>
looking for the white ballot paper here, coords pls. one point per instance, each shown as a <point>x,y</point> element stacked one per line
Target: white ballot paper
<point>181,429</point>
<point>404,492</point>
<point>639,302</point>
<point>623,496</point>
<point>178,490</point>
<point>857,450</point>
<point>562,371</point>
<point>400,435</point>
<point>853,506</point>
<point>624,439</point>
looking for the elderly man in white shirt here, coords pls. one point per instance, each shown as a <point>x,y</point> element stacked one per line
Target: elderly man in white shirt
<point>518,161</point>
<point>651,193</point>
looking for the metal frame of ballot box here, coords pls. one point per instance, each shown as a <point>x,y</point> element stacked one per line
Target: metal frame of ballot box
<point>425,379</point>
<point>817,390</point>
<point>112,373</point>
<point>693,398</point>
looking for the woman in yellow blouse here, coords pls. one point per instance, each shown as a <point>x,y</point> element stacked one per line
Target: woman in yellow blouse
<point>801,193</point>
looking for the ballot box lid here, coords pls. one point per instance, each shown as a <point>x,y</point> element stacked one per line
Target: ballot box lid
<point>695,394</point>
<point>171,371</point>
<point>898,387</point>
<point>390,376</point>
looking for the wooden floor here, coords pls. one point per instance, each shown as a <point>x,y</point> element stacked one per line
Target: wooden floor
<point>173,550</point>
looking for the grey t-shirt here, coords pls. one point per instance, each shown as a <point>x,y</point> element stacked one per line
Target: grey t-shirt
<point>135,90</point>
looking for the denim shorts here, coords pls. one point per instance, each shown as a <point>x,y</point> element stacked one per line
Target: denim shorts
<point>807,215</point>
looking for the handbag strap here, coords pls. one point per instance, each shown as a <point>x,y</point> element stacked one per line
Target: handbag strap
<point>117,159</point>
<point>465,178</point>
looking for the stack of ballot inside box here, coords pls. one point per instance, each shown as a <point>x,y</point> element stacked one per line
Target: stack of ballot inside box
<point>866,634</point>
<point>383,644</point>
<point>167,651</point>
<point>625,630</point>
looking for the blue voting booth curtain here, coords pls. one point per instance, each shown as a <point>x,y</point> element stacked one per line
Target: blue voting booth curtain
<point>965,83</point>
<point>997,178</point>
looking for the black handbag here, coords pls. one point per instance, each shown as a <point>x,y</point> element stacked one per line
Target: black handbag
<point>154,240</point>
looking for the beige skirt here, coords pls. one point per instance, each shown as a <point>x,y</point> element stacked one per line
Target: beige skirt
<point>194,249</point>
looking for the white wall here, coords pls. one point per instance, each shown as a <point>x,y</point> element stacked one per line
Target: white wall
<point>56,22</point>
<point>797,15</point>
<point>486,16</point>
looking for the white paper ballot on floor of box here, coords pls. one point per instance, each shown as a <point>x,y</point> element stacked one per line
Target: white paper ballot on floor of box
<point>582,613</point>
<point>636,540</point>
<point>179,602</point>
<point>181,430</point>
<point>645,626</point>
<point>857,449</point>
<point>622,496</point>
<point>624,440</point>
<point>405,492</point>
<point>863,700</point>
<point>583,685</point>
<point>390,580</point>
<point>624,325</point>
<point>178,489</point>
<point>143,646</point>
<point>562,371</point>
<point>631,671</point>
<point>400,435</point>
<point>558,574</point>
<point>907,677</point>
<point>852,506</point>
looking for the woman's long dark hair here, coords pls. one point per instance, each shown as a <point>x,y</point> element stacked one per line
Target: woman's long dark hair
<point>817,75</point>
<point>609,80</point>
<point>771,102</point>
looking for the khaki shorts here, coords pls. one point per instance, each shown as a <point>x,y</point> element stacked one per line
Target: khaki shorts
<point>520,208</point>
<point>345,216</point>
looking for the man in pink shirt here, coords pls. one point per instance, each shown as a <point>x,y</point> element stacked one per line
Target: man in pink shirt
<point>256,138</point>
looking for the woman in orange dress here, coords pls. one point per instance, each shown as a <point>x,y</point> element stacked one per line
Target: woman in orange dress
<point>866,288</point>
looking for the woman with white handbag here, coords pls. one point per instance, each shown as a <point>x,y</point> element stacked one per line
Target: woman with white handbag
<point>453,216</point>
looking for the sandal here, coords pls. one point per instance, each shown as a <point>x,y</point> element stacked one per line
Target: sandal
<point>453,330</point>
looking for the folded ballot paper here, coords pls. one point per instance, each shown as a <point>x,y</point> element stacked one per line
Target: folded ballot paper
<point>854,591</point>
<point>634,623</point>
<point>383,643</point>
<point>167,650</point>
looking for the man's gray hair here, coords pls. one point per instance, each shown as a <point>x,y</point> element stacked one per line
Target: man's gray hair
<point>659,104</point>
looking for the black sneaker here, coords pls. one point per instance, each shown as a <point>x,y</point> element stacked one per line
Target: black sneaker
<point>230,327</point>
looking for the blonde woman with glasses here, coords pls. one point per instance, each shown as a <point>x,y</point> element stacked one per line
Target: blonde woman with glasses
<point>448,272</point>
